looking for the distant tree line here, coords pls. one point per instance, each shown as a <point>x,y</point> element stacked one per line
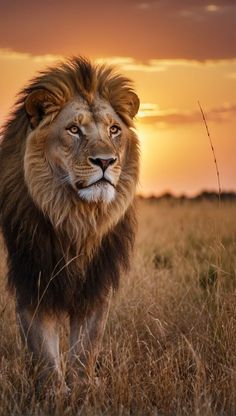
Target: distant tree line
<point>202,196</point>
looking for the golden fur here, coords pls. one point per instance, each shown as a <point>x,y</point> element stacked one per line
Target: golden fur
<point>66,197</point>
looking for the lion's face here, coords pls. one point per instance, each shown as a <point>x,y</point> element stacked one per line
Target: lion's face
<point>85,149</point>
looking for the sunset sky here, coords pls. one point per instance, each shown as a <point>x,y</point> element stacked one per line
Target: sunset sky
<point>176,51</point>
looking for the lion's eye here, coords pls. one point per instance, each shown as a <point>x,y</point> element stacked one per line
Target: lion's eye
<point>74,129</point>
<point>115,130</point>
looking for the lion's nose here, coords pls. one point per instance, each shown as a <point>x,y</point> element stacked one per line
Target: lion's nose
<point>102,163</point>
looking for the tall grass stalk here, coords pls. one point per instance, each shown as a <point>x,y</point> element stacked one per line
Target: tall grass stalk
<point>213,151</point>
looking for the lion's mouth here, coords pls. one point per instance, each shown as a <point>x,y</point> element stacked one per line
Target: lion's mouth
<point>102,181</point>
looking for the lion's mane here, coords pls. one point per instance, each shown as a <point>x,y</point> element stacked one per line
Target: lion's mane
<point>65,253</point>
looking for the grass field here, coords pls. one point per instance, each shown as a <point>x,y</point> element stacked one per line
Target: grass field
<point>170,343</point>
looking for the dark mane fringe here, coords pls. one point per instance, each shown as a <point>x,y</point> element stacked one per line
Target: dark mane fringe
<point>53,288</point>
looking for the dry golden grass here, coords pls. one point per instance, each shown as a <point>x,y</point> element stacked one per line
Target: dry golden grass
<point>170,343</point>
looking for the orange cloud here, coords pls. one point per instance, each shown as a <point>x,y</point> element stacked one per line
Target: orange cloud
<point>150,114</point>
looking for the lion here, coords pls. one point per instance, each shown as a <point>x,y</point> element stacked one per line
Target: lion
<point>69,168</point>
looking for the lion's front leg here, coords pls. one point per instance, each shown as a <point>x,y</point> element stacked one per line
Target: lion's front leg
<point>85,338</point>
<point>40,333</point>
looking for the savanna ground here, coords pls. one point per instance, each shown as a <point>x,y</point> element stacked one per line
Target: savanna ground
<point>170,343</point>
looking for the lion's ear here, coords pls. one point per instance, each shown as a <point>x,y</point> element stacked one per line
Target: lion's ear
<point>37,104</point>
<point>133,104</point>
